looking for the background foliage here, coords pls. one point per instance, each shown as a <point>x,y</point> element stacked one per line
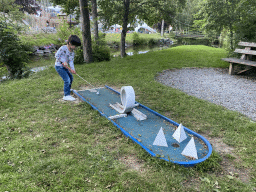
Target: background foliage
<point>13,53</point>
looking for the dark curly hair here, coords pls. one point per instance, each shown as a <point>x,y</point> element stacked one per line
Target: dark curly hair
<point>74,40</point>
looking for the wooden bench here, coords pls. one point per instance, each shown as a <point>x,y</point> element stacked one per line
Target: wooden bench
<point>244,60</point>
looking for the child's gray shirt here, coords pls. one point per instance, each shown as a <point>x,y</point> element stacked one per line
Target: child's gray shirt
<point>64,55</point>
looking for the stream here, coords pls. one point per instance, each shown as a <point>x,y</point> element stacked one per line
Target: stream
<point>133,50</point>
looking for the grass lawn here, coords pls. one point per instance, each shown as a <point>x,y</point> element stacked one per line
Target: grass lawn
<point>51,145</point>
<point>42,39</point>
<point>116,37</point>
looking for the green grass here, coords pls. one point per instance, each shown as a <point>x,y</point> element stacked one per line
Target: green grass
<point>116,37</point>
<point>51,145</point>
<point>40,39</point>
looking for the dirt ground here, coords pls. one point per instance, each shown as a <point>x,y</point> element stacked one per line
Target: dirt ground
<point>228,166</point>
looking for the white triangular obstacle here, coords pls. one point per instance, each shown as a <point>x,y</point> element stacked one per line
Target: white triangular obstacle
<point>180,134</point>
<point>190,149</point>
<point>160,139</point>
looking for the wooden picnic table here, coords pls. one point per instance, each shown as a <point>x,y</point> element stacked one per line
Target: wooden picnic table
<point>245,59</point>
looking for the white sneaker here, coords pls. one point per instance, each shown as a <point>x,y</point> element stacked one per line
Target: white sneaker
<point>69,98</point>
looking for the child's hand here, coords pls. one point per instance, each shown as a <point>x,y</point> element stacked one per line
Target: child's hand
<point>65,64</point>
<point>72,71</point>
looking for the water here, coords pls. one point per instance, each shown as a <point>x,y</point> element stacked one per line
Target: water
<point>34,70</point>
<point>137,50</point>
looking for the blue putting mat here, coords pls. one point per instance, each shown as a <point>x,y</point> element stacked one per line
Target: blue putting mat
<point>144,132</point>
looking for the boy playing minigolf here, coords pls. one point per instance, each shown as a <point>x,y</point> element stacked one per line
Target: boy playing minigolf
<point>64,64</point>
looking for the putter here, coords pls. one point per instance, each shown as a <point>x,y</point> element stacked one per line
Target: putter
<point>89,84</point>
<point>82,79</point>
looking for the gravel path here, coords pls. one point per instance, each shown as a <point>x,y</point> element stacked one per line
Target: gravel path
<point>236,92</point>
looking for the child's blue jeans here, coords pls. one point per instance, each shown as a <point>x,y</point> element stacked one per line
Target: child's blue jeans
<point>67,78</point>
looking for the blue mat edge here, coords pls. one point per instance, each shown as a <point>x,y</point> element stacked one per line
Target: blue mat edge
<point>186,164</point>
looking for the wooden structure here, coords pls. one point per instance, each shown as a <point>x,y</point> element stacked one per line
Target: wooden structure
<point>245,59</point>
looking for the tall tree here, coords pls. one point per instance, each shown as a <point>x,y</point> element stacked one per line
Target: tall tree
<point>121,12</point>
<point>126,12</point>
<point>70,7</point>
<point>162,11</point>
<point>86,31</point>
<point>245,30</point>
<point>219,14</point>
<point>112,12</point>
<point>126,4</point>
<point>184,19</point>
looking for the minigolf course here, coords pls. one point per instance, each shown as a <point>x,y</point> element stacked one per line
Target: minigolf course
<point>160,136</point>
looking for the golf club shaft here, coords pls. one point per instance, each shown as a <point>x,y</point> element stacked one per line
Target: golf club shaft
<point>85,80</point>
<point>79,76</point>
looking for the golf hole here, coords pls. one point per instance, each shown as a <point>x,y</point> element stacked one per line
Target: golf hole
<point>175,145</point>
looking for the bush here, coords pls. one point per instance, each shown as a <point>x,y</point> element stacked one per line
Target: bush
<point>100,51</point>
<point>79,57</point>
<point>13,53</point>
<point>137,40</point>
<point>152,42</point>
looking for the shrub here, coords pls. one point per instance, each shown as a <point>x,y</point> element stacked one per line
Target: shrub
<point>79,57</point>
<point>100,51</point>
<point>152,42</point>
<point>137,40</point>
<point>13,53</point>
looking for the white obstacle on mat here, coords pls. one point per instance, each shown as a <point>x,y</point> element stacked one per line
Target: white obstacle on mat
<point>128,103</point>
<point>180,134</point>
<point>190,149</point>
<point>160,139</point>
<point>127,98</point>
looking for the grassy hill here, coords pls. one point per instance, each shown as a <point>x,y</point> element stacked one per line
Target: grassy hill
<point>51,145</point>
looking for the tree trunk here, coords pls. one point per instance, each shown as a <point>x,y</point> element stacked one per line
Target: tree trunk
<point>86,33</point>
<point>231,36</point>
<point>125,23</point>
<point>95,22</point>
<point>162,28</point>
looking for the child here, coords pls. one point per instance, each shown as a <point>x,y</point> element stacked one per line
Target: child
<point>64,57</point>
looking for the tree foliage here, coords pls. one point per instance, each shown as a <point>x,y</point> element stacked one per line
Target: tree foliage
<point>124,12</point>
<point>236,16</point>
<point>156,11</point>
<point>245,29</point>
<point>69,6</point>
<point>9,12</point>
<point>30,6</point>
<point>13,54</point>
<point>162,12</point>
<point>184,19</point>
